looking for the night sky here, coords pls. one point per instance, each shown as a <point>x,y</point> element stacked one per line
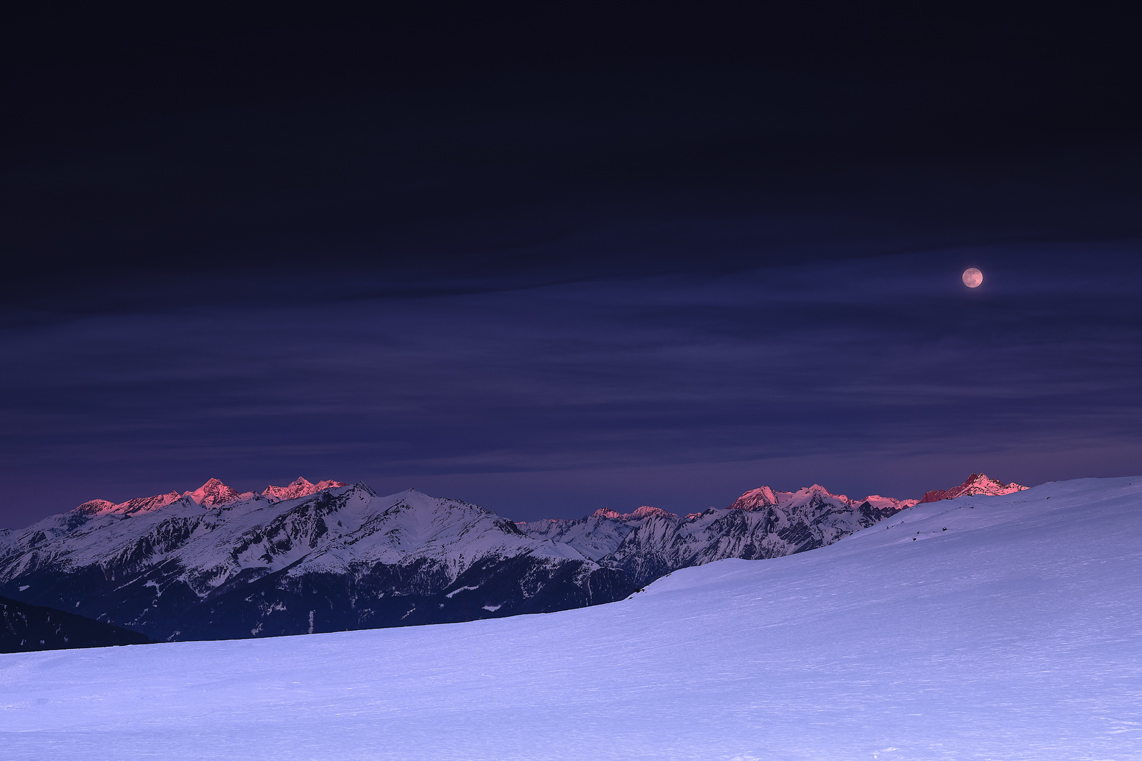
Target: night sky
<point>548,262</point>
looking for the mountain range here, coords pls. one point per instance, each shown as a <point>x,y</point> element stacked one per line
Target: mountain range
<point>649,542</point>
<point>213,563</point>
<point>1003,627</point>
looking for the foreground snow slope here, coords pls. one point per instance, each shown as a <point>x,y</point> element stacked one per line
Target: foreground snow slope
<point>1014,634</point>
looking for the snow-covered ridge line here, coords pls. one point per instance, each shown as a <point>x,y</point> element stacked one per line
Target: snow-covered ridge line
<point>762,523</point>
<point>211,494</point>
<point>215,563</point>
<point>767,497</point>
<point>753,499</point>
<point>342,557</point>
<point>977,484</point>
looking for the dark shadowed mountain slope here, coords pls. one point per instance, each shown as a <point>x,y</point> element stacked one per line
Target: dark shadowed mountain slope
<point>25,627</point>
<point>339,558</point>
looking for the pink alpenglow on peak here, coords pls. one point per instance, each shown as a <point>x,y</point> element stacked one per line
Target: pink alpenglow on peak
<point>214,492</point>
<point>147,504</point>
<point>211,494</point>
<point>977,485</point>
<point>299,488</point>
<point>880,502</point>
<point>755,498</point>
<point>130,507</point>
<point>809,491</point>
<point>96,507</point>
<point>646,511</point>
<point>763,497</point>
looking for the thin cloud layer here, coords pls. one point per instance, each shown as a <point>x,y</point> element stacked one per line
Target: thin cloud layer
<point>886,357</point>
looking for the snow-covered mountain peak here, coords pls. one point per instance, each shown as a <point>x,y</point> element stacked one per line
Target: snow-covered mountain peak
<point>299,488</point>
<point>765,497</point>
<point>214,493</point>
<point>977,484</point>
<point>211,494</point>
<point>361,486</point>
<point>818,489</point>
<point>95,507</point>
<point>136,505</point>
<point>646,511</point>
<point>755,498</point>
<point>882,503</point>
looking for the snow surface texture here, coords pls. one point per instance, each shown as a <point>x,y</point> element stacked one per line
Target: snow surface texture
<point>1003,627</point>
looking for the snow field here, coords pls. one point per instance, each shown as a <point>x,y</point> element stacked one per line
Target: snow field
<point>1014,634</point>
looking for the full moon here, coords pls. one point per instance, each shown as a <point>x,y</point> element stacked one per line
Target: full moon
<point>972,277</point>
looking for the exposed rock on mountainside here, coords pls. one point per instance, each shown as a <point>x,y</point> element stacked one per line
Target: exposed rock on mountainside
<point>762,523</point>
<point>211,494</point>
<point>299,488</point>
<point>977,484</point>
<point>341,558</point>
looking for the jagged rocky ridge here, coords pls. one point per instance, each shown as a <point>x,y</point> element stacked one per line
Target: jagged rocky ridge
<point>649,543</point>
<point>210,494</point>
<point>217,564</point>
<point>340,558</point>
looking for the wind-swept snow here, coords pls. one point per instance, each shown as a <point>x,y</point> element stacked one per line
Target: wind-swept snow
<point>1002,627</point>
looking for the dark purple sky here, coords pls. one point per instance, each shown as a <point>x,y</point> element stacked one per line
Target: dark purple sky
<point>549,264</point>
